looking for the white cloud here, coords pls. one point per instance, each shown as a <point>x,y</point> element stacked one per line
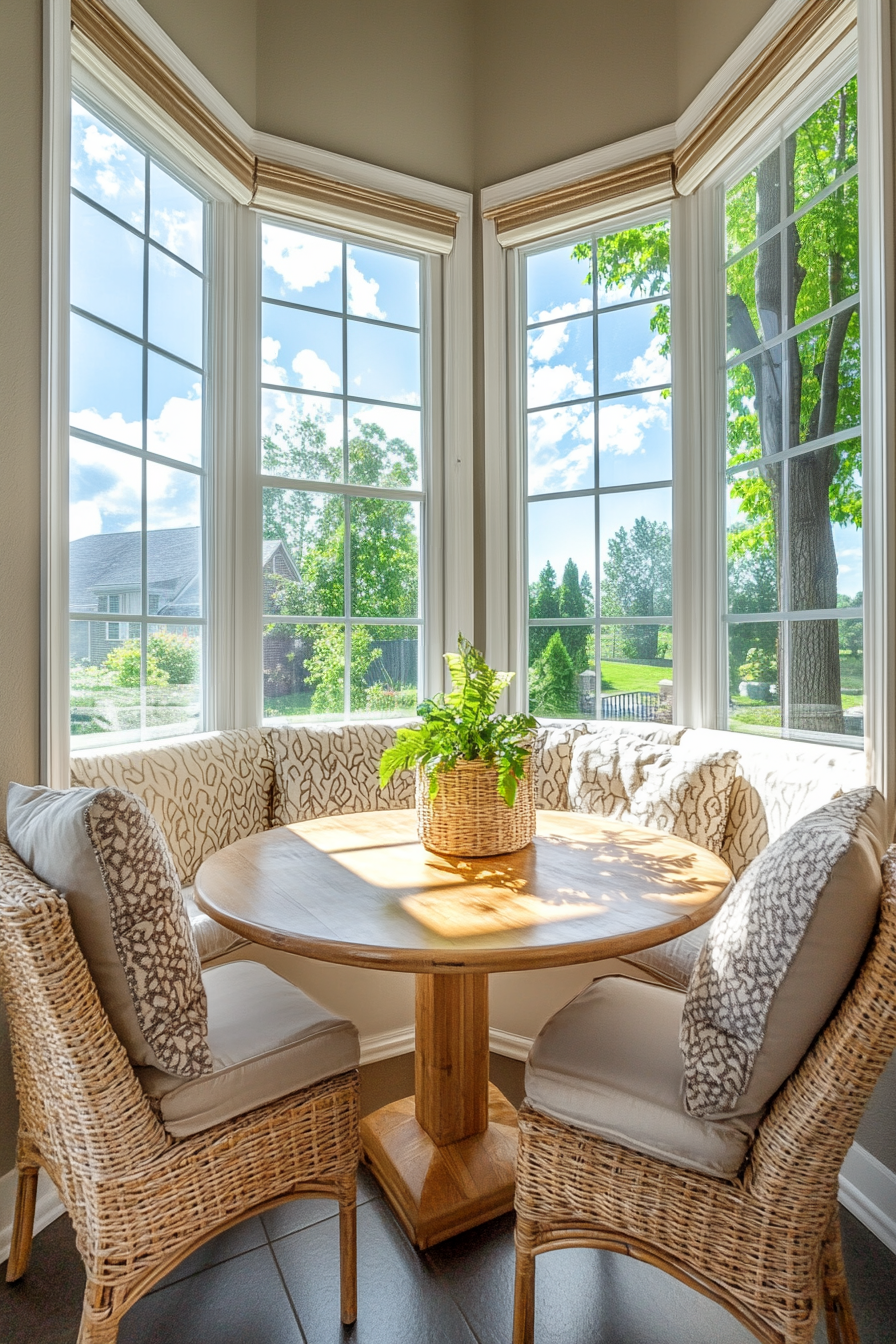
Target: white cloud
<point>271,372</point>
<point>561,448</point>
<point>648,369</point>
<point>177,432</point>
<point>623,426</point>
<point>177,231</point>
<point>548,342</point>
<point>315,372</point>
<point>84,520</point>
<point>103,146</point>
<point>564,310</point>
<point>110,426</point>
<point>556,382</point>
<point>362,293</point>
<point>397,424</point>
<point>300,259</point>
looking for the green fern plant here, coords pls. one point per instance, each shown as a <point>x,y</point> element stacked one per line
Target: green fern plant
<point>463,726</point>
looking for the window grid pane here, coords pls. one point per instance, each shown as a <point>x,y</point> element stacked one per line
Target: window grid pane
<point>135,520</point>
<point>793,450</point>
<point>341,403</point>
<point>598,468</point>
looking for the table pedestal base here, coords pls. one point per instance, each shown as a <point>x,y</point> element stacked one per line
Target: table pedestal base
<point>436,1191</point>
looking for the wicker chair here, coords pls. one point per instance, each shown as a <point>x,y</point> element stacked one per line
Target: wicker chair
<point>140,1200</point>
<point>766,1245</point>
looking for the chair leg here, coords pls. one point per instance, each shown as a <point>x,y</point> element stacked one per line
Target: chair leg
<point>841,1324</point>
<point>98,1325</point>
<point>23,1223</point>
<point>524,1288</point>
<point>348,1256</point>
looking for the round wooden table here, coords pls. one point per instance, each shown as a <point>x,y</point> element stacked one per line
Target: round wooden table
<point>361,890</point>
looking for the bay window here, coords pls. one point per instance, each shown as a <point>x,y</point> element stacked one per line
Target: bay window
<point>598,468</point>
<point>137,447</point>
<point>793,454</point>
<point>343,475</point>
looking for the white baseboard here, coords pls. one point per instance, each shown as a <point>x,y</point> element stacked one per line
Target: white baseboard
<point>47,1210</point>
<point>507,1044</point>
<point>387,1045</point>
<point>868,1190</point>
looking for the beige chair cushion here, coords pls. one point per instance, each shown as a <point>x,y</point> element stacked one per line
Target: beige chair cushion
<point>780,953</point>
<point>609,1063</point>
<point>267,1039</point>
<point>205,792</point>
<point>663,786</point>
<point>211,938</point>
<point>332,770</point>
<point>103,852</point>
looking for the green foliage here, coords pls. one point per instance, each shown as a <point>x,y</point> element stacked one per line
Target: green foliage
<point>573,596</point>
<point>172,659</point>
<point>759,665</point>
<point>552,680</point>
<point>325,668</point>
<point>851,632</point>
<point>638,582</point>
<point>634,261</point>
<point>463,725</point>
<point>123,663</point>
<point>176,655</point>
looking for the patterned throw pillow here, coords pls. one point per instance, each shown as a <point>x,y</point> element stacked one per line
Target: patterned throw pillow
<point>665,787</point>
<point>779,955</point>
<point>103,851</point>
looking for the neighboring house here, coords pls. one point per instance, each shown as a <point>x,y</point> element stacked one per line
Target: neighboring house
<point>105,576</point>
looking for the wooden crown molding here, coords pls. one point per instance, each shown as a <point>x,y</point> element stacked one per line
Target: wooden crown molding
<point>280,178</point>
<point>816,31</point>
<point>265,183</point>
<point>94,21</point>
<point>805,41</point>
<point>653,175</point>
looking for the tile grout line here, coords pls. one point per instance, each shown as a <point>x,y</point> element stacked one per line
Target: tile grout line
<point>292,1305</point>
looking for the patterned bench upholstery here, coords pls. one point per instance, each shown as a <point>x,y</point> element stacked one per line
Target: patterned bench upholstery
<point>208,791</point>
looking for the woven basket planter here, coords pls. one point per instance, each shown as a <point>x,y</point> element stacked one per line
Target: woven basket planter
<point>468,817</point>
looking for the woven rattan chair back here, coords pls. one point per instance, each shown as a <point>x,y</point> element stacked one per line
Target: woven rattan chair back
<point>139,1200</point>
<point>765,1245</point>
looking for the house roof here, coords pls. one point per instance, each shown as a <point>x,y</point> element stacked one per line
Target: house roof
<point>111,563</point>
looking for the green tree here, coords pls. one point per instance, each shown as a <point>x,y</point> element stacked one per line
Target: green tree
<point>384,547</point>
<point>638,582</point>
<point>552,681</point>
<point>781,397</point>
<point>544,604</point>
<point>574,602</point>
<point>851,632</point>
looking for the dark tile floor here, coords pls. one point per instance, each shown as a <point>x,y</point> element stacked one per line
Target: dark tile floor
<point>274,1280</point>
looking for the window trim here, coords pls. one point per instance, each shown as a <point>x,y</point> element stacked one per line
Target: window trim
<point>427,494</point>
<point>603,228</point>
<point>233,674</point>
<point>698,405</point>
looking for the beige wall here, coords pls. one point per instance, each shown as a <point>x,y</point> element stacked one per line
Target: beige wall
<point>460,93</point>
<point>20,134</point>
<point>219,38</point>
<point>387,81</point>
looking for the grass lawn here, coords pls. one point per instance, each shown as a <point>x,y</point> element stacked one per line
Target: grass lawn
<point>616,677</point>
<point>282,706</point>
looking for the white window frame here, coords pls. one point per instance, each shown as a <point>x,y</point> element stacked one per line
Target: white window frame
<point>698,391</point>
<point>432,568</point>
<point>521,622</point>
<point>233,674</point>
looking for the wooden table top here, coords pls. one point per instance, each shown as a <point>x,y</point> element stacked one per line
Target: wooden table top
<point>362,890</point>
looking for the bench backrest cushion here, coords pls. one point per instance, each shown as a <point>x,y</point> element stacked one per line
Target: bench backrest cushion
<point>776,783</point>
<point>331,770</point>
<point>205,792</point>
